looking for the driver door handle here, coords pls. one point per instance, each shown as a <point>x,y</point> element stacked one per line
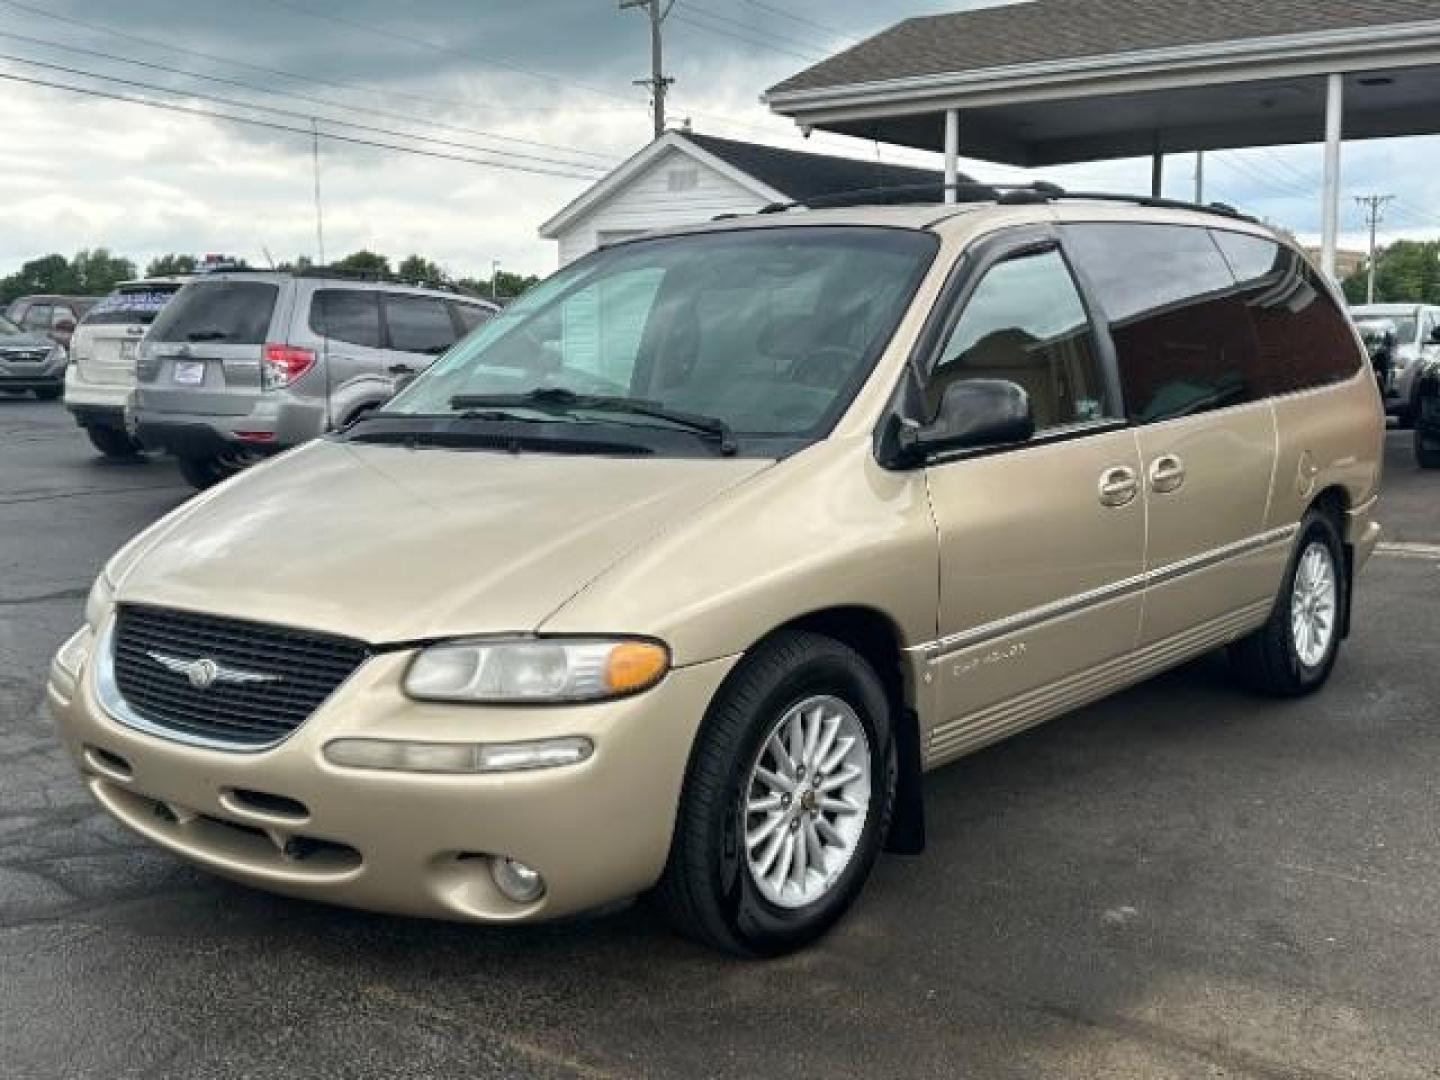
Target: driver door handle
<point>1118,486</point>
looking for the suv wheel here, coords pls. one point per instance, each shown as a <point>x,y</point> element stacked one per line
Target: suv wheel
<point>787,799</point>
<point>1294,652</point>
<point>1427,450</point>
<point>113,442</point>
<point>204,472</point>
<point>49,393</point>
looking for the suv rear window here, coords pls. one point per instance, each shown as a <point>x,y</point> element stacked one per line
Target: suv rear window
<point>140,304</point>
<point>225,312</point>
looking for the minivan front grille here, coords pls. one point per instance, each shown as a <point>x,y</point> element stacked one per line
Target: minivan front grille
<point>225,680</point>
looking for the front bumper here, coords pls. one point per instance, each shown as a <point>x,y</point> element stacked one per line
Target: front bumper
<point>49,376</point>
<point>408,843</point>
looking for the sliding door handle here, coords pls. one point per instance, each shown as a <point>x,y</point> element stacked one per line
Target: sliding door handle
<point>1167,474</point>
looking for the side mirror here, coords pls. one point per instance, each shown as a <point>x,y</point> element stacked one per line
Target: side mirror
<point>973,413</point>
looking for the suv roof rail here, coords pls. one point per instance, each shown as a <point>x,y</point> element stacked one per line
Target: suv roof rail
<point>970,191</point>
<point>345,273</point>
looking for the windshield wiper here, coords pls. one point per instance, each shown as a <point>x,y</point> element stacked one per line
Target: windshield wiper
<point>561,401</point>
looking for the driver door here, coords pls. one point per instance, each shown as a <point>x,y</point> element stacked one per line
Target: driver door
<point>1042,544</point>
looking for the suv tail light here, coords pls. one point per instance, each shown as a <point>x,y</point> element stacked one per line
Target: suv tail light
<point>283,364</point>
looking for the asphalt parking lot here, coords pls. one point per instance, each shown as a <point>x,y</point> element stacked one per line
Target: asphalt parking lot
<point>1181,881</point>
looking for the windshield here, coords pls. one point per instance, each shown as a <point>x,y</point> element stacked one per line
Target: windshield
<point>8,328</point>
<point>1403,323</point>
<point>131,305</point>
<point>763,334</point>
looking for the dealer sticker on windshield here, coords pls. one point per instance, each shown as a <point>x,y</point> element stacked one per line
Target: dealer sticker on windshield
<point>189,372</point>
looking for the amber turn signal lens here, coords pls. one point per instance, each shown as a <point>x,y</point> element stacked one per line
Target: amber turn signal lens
<point>635,665</point>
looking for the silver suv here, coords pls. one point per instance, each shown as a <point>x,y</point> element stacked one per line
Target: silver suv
<point>243,364</point>
<point>1417,334</point>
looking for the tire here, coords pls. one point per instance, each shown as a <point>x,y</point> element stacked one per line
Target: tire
<point>1427,451</point>
<point>49,393</point>
<point>710,890</point>
<point>202,473</point>
<point>1275,660</point>
<point>113,442</point>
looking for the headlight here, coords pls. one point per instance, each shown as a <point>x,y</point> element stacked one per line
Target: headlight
<point>99,602</point>
<point>523,670</point>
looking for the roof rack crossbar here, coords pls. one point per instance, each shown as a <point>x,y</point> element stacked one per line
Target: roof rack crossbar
<point>1005,195</point>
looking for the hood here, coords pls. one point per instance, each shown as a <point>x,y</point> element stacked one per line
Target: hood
<point>25,341</point>
<point>388,544</point>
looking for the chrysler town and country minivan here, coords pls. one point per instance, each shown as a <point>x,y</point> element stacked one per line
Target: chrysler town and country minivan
<point>676,577</point>
<point>245,364</point>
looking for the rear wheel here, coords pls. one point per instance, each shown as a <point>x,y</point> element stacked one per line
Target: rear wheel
<point>786,802</point>
<point>1294,652</point>
<point>204,472</point>
<point>1427,450</point>
<point>113,442</point>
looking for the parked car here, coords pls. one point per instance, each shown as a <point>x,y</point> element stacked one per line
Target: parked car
<point>1417,339</point>
<point>677,575</point>
<point>1427,415</point>
<point>101,376</point>
<point>30,362</point>
<point>244,364</point>
<point>49,314</point>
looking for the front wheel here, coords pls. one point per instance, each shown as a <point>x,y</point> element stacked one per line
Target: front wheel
<point>49,393</point>
<point>787,799</point>
<point>1294,652</point>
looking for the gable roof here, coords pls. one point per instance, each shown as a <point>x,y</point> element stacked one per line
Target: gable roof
<point>772,173</point>
<point>1040,31</point>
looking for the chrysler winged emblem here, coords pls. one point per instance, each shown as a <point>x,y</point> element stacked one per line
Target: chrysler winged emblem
<point>204,673</point>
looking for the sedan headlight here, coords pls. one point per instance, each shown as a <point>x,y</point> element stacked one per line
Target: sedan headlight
<point>100,601</point>
<point>536,670</point>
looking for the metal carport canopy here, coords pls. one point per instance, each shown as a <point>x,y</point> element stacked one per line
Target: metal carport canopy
<point>1055,82</point>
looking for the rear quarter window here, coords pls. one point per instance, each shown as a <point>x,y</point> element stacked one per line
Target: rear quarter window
<point>348,315</point>
<point>418,324</point>
<point>1303,336</point>
<point>224,312</point>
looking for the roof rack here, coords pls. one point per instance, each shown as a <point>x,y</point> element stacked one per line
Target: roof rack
<point>1004,194</point>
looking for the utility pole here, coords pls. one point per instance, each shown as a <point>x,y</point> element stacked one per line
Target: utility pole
<point>1200,177</point>
<point>658,82</point>
<point>494,279</point>
<point>1374,207</point>
<point>315,166</point>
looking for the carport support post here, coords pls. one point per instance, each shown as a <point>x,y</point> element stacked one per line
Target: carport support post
<point>1330,210</point>
<point>1157,174</point>
<point>952,154</point>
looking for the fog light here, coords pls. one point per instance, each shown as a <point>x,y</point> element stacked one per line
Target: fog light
<point>457,757</point>
<point>518,882</point>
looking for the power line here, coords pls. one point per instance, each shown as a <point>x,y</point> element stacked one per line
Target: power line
<point>392,35</point>
<point>290,113</point>
<point>211,114</point>
<point>822,27</point>
<point>291,95</point>
<point>688,16</point>
<point>750,28</point>
<point>659,83</point>
<point>111,31</point>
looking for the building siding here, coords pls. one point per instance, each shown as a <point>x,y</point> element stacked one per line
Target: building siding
<point>653,200</point>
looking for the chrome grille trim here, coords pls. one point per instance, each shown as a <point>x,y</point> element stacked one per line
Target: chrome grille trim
<point>242,715</point>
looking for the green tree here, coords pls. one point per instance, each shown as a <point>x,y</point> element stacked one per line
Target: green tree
<point>47,274</point>
<point>170,264</point>
<point>362,261</point>
<point>506,284</point>
<point>97,272</point>
<point>1407,271</point>
<point>419,268</point>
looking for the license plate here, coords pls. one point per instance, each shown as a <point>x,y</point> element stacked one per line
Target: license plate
<point>127,350</point>
<point>189,372</point>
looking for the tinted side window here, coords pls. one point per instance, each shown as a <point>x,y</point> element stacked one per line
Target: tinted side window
<point>471,315</point>
<point>418,324</point>
<point>1025,323</point>
<point>350,315</point>
<point>224,312</point>
<point>1304,338</point>
<point>1181,332</point>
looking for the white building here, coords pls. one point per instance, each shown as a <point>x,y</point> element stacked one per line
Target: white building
<point>683,178</point>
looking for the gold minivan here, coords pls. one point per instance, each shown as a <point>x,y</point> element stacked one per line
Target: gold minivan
<point>678,575</point>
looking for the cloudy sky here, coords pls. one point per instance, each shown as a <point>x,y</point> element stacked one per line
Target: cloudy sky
<point>540,87</point>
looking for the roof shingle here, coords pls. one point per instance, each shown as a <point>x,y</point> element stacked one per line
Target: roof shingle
<point>1041,30</point>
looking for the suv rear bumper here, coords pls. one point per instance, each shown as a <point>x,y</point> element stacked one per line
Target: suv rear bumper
<point>189,439</point>
<point>274,422</point>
